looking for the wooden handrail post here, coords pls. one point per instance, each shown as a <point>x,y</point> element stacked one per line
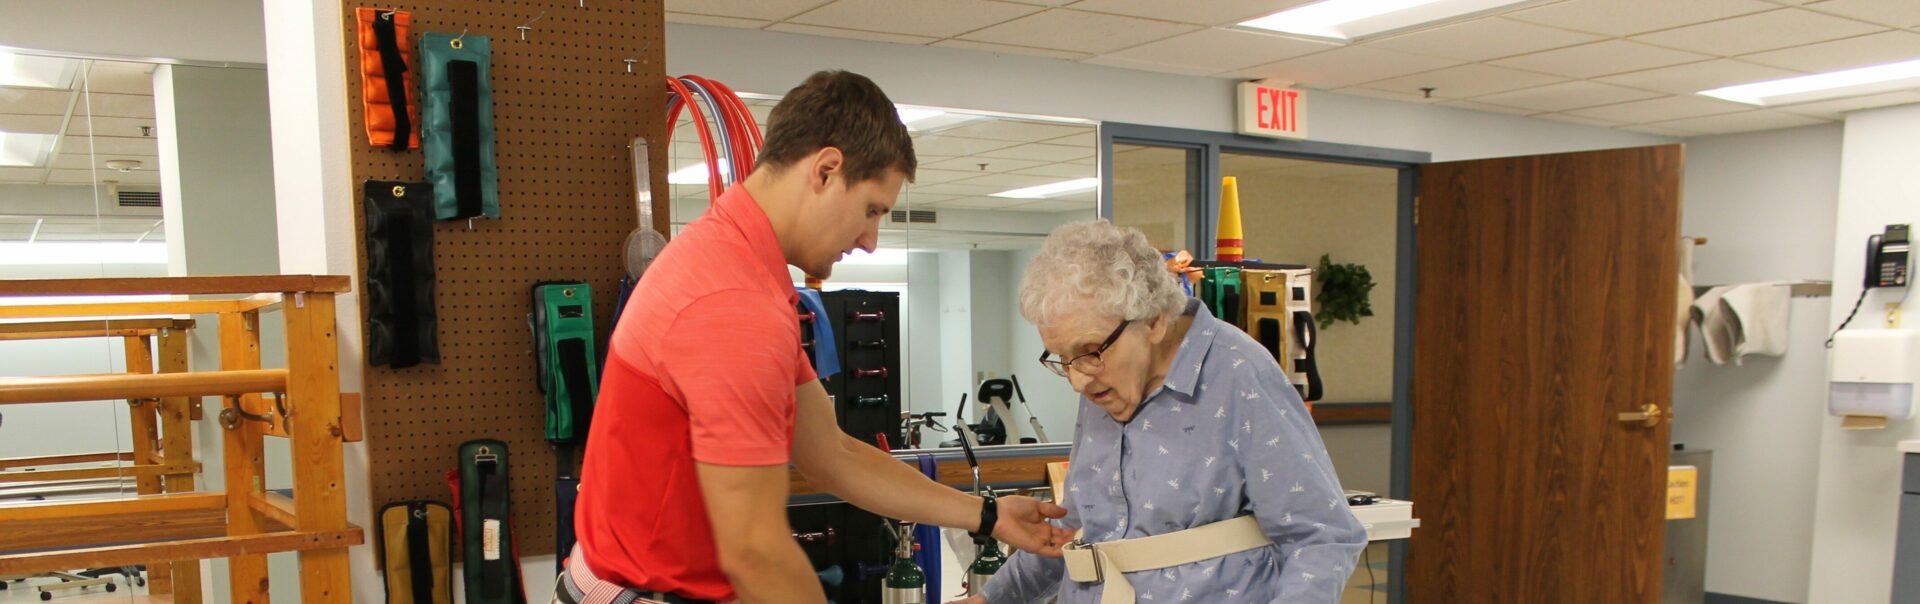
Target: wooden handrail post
<point>245,463</point>
<point>319,485</point>
<point>146,438</point>
<point>176,447</point>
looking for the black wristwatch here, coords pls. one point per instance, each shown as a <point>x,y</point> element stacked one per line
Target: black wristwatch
<point>989,516</point>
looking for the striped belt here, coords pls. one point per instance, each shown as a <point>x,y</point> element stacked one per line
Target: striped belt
<point>578,586</point>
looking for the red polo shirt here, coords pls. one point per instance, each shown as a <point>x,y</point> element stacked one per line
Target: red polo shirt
<point>702,367</point>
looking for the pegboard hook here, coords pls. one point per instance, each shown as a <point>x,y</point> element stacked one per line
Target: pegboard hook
<point>458,40</point>
<point>528,26</point>
<point>630,63</point>
<point>469,224</point>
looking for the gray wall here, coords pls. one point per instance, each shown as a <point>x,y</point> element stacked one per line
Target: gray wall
<point>1765,201</point>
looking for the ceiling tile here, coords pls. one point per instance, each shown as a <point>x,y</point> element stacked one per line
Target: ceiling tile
<point>1837,108</point>
<point>1011,49</point>
<point>982,203</point>
<point>1347,66</point>
<point>1055,205</point>
<point>1041,152</point>
<point>765,10</point>
<point>1742,122</point>
<point>1465,81</point>
<point>1566,95</point>
<point>936,145</point>
<point>715,20</point>
<point>1391,95</point>
<point>82,161</point>
<point>1695,77</point>
<point>1076,31</point>
<point>1885,47</point>
<point>121,78</point>
<point>115,105</point>
<point>1662,109</point>
<point>1084,139</point>
<point>1629,17</point>
<point>20,175</point>
<point>1059,171</point>
<point>1891,13</point>
<point>1759,32</point>
<point>70,177</point>
<point>1113,61</point>
<point>1014,130</point>
<point>29,124</point>
<point>110,145</point>
<point>1488,107</point>
<point>1211,12</point>
<point>937,18</point>
<point>1600,58</point>
<point>835,32</point>
<point>1009,181</point>
<point>934,176</point>
<point>1483,39</point>
<point>1575,119</point>
<point>973,163</point>
<point>1210,51</point>
<point>110,126</point>
<point>35,101</point>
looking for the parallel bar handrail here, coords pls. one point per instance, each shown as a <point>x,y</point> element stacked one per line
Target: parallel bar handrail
<point>186,549</point>
<point>112,507</point>
<point>140,386</point>
<point>248,284</point>
<point>127,309</point>
<point>136,471</point>
<point>57,460</point>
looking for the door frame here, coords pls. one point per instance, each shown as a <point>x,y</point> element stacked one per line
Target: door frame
<point>1202,221</point>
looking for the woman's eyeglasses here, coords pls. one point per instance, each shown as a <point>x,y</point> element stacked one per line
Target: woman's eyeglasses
<point>1088,363</point>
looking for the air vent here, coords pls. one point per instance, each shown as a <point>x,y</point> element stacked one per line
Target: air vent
<point>916,216</point>
<point>139,199</point>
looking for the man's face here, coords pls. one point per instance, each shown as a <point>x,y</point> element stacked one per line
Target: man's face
<point>847,218</point>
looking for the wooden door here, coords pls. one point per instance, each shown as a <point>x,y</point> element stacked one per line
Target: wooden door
<point>1544,311</point>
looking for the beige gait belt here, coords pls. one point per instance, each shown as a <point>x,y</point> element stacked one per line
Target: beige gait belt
<point>1107,562</point>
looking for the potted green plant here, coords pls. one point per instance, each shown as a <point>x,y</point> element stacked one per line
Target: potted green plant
<point>1343,291</point>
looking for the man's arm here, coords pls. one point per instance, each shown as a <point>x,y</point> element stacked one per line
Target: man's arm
<point>874,481</point>
<point>747,507</point>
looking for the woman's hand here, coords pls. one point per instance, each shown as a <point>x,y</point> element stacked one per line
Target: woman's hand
<point>1023,525</point>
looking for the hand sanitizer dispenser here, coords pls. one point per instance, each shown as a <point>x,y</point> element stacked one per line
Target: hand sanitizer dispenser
<point>1873,376</point>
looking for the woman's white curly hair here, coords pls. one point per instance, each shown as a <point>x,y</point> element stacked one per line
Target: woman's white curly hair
<point>1100,268</point>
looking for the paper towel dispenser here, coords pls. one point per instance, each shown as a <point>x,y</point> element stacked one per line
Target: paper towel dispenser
<point>1873,373</point>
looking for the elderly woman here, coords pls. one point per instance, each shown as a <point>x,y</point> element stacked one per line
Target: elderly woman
<point>1197,474</point>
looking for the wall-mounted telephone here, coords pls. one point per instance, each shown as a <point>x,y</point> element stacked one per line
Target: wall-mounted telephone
<point>1887,257</point>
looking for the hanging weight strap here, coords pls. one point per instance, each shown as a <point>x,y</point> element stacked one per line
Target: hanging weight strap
<point>1304,330</point>
<point>493,507</point>
<point>573,371</point>
<point>406,325</point>
<point>419,553</point>
<point>399,244</point>
<point>394,67</point>
<point>463,78</point>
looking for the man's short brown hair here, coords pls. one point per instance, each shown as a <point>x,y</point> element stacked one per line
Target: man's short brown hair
<point>843,110</point>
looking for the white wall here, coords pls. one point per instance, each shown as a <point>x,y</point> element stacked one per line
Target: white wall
<point>1766,203</point>
<point>205,30</point>
<point>1050,397</point>
<point>1856,508</point>
<point>967,79</point>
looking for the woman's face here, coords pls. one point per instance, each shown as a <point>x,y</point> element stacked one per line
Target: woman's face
<point>1126,368</point>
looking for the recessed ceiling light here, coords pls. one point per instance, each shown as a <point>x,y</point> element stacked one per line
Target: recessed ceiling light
<point>696,174</point>
<point>123,165</point>
<point>1353,19</point>
<point>1822,86</point>
<point>29,71</point>
<point>18,150</point>
<point>1051,189</point>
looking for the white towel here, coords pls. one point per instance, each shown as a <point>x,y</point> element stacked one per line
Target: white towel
<point>1740,320</point>
<point>1683,304</point>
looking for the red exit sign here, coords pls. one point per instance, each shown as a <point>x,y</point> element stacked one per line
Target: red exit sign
<point>1272,111</point>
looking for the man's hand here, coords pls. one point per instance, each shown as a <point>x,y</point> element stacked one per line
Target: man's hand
<point>1023,525</point>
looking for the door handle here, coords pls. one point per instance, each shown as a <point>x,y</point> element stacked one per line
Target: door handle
<point>1649,415</point>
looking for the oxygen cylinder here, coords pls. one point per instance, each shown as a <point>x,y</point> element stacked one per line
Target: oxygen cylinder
<point>984,566</point>
<point>905,584</point>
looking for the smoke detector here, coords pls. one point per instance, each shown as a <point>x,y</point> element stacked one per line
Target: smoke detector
<point>123,165</point>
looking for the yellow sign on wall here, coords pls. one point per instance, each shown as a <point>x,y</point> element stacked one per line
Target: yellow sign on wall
<point>1682,484</point>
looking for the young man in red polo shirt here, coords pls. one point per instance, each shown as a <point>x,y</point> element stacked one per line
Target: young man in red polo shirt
<point>707,396</point>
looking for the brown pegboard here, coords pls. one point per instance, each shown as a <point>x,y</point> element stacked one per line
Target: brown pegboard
<point>564,108</point>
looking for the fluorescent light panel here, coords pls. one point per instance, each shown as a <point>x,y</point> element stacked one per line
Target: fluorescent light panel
<point>1352,19</point>
<point>1858,81</point>
<point>28,71</point>
<point>1051,189</point>
<point>18,253</point>
<point>18,150</point>
<point>696,174</point>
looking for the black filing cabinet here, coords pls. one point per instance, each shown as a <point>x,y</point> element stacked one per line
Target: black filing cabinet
<point>1906,556</point>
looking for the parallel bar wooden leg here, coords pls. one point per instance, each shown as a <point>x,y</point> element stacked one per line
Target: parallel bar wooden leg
<point>319,486</point>
<point>144,421</point>
<point>240,349</point>
<point>176,445</point>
